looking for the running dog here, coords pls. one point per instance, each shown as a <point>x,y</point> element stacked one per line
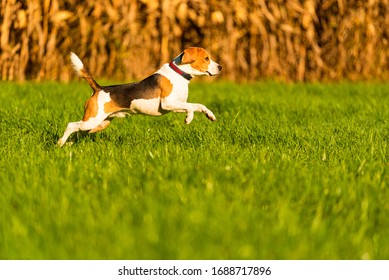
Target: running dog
<point>164,91</point>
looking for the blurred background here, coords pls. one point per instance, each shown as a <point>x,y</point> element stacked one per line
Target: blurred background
<point>288,40</point>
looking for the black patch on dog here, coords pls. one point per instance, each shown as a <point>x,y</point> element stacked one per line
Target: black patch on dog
<point>124,94</point>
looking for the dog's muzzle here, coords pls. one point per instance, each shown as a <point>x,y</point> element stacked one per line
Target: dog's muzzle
<point>215,71</point>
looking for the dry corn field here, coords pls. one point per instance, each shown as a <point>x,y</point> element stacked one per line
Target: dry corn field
<point>289,40</point>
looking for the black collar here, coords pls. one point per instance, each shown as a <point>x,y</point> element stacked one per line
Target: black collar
<point>179,71</point>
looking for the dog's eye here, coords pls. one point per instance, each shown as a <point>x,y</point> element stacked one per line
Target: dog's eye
<point>206,58</point>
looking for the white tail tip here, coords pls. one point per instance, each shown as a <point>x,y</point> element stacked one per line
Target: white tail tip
<point>77,63</point>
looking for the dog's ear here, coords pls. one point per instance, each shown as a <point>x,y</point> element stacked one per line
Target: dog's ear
<point>190,55</point>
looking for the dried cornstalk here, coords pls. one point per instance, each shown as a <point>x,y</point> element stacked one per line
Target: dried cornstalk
<point>292,40</point>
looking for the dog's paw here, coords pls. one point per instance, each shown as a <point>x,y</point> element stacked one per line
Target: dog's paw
<point>189,117</point>
<point>210,116</point>
<point>60,142</point>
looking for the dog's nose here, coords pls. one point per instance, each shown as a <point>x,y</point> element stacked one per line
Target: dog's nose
<point>219,67</point>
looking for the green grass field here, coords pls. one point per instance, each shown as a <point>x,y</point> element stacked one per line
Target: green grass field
<point>287,172</point>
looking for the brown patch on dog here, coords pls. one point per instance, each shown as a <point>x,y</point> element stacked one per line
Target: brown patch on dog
<point>88,77</point>
<point>190,55</point>
<point>198,58</point>
<point>111,107</point>
<point>201,65</point>
<point>166,86</point>
<point>101,126</point>
<point>91,107</point>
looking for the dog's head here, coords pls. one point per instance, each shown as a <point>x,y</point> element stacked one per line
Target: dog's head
<point>197,61</point>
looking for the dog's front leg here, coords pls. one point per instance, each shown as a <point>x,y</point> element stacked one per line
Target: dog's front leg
<point>189,108</point>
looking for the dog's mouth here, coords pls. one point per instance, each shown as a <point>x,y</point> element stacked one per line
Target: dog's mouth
<point>217,70</point>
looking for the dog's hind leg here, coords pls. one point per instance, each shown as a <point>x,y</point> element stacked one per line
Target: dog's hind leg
<point>71,128</point>
<point>93,124</point>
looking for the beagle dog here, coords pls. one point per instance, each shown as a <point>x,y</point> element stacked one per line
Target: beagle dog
<point>164,91</point>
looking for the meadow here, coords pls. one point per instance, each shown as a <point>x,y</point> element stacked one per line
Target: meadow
<point>288,171</point>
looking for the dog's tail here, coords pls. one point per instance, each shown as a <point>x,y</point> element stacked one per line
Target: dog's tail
<point>83,72</point>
